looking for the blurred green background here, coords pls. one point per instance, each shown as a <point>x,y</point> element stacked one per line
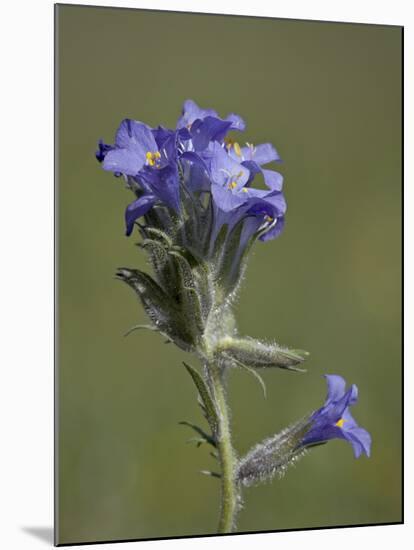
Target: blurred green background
<point>329,97</point>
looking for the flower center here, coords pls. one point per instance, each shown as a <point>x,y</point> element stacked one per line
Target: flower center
<point>153,158</point>
<point>340,422</point>
<point>231,143</point>
<point>233,184</point>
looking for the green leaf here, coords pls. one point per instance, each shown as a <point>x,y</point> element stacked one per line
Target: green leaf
<point>204,393</point>
<point>209,473</point>
<point>205,436</point>
<point>147,327</point>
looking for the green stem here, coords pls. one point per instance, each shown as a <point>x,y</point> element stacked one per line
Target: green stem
<point>229,492</point>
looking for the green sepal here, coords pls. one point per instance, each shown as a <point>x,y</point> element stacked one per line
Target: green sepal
<point>188,294</point>
<point>159,307</point>
<point>228,256</point>
<point>160,236</point>
<point>257,354</point>
<point>161,263</point>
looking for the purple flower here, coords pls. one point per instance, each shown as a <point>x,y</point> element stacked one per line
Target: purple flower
<point>135,147</point>
<point>137,209</point>
<point>235,200</point>
<point>149,158</point>
<point>191,112</point>
<point>205,125</point>
<point>254,157</point>
<point>334,420</point>
<point>197,163</point>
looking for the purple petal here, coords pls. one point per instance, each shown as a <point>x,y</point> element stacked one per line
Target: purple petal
<point>262,154</point>
<point>191,112</point>
<point>224,169</point>
<point>237,123</point>
<point>123,160</point>
<point>135,135</point>
<point>274,231</point>
<point>278,201</point>
<point>206,130</point>
<point>164,184</point>
<point>137,209</point>
<point>359,438</point>
<point>103,149</point>
<point>273,180</point>
<point>336,387</point>
<point>225,199</point>
<point>194,158</point>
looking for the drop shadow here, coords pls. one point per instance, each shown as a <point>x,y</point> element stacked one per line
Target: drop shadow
<point>43,533</point>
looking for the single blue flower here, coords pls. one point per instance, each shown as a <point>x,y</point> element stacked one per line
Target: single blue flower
<point>334,420</point>
<point>149,158</point>
<point>191,112</point>
<point>234,199</point>
<point>135,147</point>
<point>228,180</point>
<point>254,157</point>
<point>205,125</point>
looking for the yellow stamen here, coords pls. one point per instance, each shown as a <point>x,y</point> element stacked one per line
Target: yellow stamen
<point>340,422</point>
<point>152,158</point>
<point>237,149</point>
<point>268,218</point>
<point>232,185</point>
<point>244,190</point>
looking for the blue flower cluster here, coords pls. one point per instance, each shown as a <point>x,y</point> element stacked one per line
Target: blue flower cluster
<point>165,167</point>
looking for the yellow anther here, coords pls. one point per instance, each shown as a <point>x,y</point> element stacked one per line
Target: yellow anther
<point>340,422</point>
<point>152,158</point>
<point>244,190</point>
<point>232,185</point>
<point>268,218</point>
<point>237,149</point>
<point>229,143</point>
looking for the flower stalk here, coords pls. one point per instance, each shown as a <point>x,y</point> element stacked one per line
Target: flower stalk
<point>199,216</point>
<point>229,487</point>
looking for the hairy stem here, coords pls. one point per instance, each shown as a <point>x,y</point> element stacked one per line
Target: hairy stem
<point>229,490</point>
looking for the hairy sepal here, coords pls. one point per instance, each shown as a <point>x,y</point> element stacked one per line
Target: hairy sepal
<point>272,456</point>
<point>257,354</point>
<point>159,307</point>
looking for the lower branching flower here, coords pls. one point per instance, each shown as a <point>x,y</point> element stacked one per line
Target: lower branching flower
<point>198,213</point>
<point>332,421</point>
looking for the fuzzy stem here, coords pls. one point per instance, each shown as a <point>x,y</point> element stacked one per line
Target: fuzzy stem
<point>229,490</point>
